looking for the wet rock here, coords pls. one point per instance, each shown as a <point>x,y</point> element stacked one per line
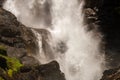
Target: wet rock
<point>90,15</point>
<point>28,60</point>
<point>1,3</point>
<point>3,63</point>
<point>111,74</point>
<point>93,3</point>
<point>20,42</point>
<point>48,71</point>
<point>17,38</point>
<point>3,51</point>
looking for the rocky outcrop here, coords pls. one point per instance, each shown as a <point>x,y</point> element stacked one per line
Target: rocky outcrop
<point>20,43</point>
<point>13,35</point>
<point>50,71</point>
<point>112,74</point>
<point>93,3</point>
<point>91,9</point>
<point>12,69</point>
<point>20,40</point>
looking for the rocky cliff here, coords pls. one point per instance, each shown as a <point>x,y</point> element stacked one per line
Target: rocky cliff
<point>111,74</point>
<point>19,43</point>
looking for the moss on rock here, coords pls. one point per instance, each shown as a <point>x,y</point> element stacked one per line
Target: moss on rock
<point>12,65</point>
<point>3,50</point>
<point>1,78</point>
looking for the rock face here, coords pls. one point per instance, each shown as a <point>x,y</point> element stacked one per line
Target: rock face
<point>112,74</point>
<point>93,3</point>
<point>14,36</point>
<point>20,42</point>
<point>48,71</point>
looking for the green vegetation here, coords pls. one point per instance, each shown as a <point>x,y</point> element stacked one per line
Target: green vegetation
<point>3,50</point>
<point>13,64</point>
<point>2,47</point>
<point>1,78</point>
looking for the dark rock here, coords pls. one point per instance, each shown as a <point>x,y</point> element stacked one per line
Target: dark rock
<point>18,39</point>
<point>1,73</point>
<point>3,63</point>
<point>93,3</point>
<point>29,61</point>
<point>21,42</point>
<point>111,74</point>
<point>3,52</point>
<point>48,71</point>
<point>53,70</point>
<point>9,29</point>
<point>1,3</point>
<point>90,15</point>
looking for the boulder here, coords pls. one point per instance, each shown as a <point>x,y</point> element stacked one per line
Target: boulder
<point>3,63</point>
<point>111,74</point>
<point>50,71</point>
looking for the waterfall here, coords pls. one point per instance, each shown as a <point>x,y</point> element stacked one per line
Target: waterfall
<point>82,59</point>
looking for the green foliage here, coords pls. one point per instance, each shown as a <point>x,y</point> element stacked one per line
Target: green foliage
<point>3,50</point>
<point>2,47</point>
<point>13,64</point>
<point>10,72</point>
<point>1,78</point>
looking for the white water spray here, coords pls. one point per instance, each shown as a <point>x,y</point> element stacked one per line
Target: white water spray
<point>83,59</point>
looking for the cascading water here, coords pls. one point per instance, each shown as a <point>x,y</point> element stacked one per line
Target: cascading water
<point>83,59</point>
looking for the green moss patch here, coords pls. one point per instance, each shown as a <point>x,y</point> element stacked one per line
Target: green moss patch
<point>1,78</point>
<point>13,65</point>
<point>3,50</point>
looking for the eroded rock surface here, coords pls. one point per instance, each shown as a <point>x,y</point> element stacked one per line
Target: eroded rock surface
<point>111,74</point>
<point>20,42</point>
